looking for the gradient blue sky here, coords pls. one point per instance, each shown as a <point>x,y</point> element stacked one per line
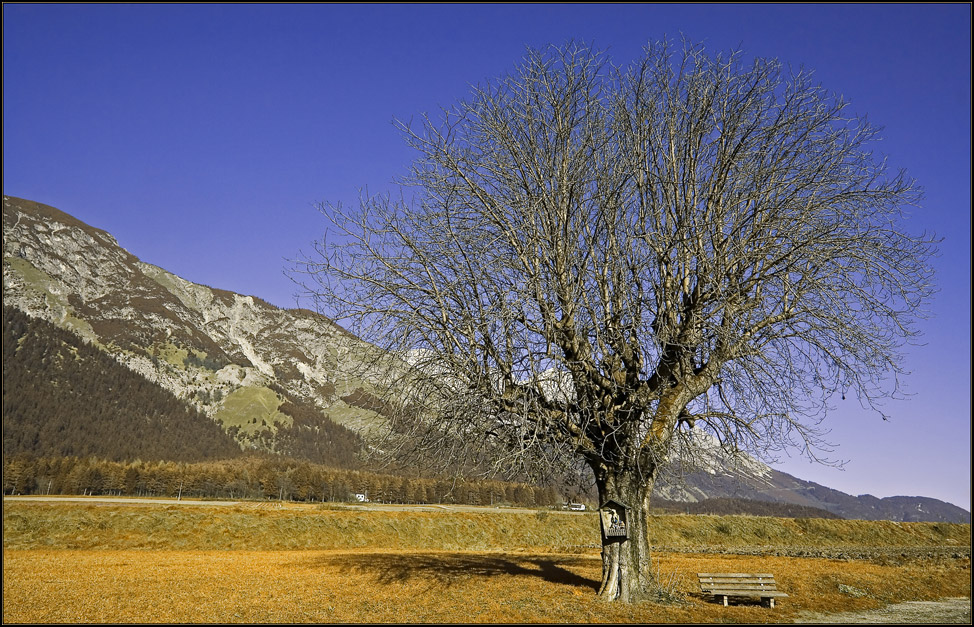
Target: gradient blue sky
<point>201,136</point>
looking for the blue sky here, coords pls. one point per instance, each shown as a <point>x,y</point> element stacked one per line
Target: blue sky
<point>201,136</point>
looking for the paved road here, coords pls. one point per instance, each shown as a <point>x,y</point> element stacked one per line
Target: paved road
<point>120,499</point>
<point>124,500</point>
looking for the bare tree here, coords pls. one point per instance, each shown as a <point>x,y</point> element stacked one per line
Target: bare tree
<point>591,258</point>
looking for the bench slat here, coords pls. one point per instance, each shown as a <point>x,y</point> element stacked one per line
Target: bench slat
<point>738,582</point>
<point>747,593</point>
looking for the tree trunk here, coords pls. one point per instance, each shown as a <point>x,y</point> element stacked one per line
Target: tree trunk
<point>626,568</point>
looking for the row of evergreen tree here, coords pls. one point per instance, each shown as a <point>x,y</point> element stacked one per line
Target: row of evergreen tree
<point>253,477</point>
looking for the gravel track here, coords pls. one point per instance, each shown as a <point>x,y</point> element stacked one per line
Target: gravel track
<point>946,611</point>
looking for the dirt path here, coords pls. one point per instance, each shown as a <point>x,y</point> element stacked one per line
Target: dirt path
<point>945,611</point>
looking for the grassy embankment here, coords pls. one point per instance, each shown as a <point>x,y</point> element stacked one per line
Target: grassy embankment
<point>71,562</point>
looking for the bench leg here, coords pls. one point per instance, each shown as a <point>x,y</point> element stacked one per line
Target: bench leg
<point>771,601</point>
<point>725,601</point>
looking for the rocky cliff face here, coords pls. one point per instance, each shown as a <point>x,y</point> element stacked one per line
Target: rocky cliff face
<point>238,358</point>
<point>225,352</point>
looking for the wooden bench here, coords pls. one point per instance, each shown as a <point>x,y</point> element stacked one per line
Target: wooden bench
<point>750,585</point>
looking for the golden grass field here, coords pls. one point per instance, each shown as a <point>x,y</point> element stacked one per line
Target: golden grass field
<point>252,563</point>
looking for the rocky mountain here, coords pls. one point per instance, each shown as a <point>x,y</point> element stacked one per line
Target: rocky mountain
<point>236,358</point>
<point>260,371</point>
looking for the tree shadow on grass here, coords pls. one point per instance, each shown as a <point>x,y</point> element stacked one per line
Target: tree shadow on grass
<point>449,568</point>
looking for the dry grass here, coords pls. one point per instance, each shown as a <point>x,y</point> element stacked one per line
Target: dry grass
<point>42,586</point>
<point>265,526</point>
<point>152,564</point>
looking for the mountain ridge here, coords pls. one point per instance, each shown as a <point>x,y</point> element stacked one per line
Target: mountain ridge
<point>239,359</point>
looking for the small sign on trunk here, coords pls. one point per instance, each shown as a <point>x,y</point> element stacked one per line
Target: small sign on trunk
<point>613,515</point>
